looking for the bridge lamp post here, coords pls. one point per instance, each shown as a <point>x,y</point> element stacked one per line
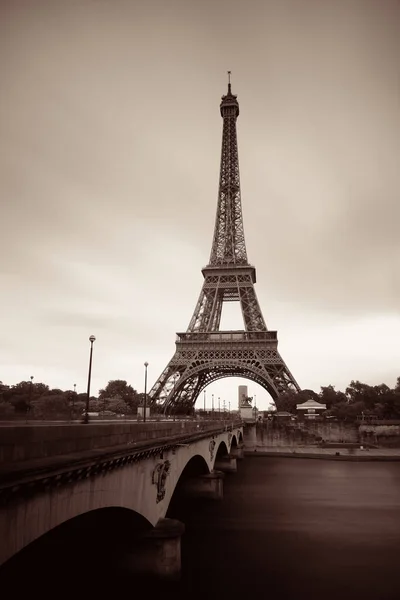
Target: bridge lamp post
<point>204,403</point>
<point>175,377</point>
<point>30,393</point>
<point>146,364</point>
<point>29,407</point>
<point>212,405</point>
<point>86,418</point>
<point>219,407</point>
<point>173,393</point>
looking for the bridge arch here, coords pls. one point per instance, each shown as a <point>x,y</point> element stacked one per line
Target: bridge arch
<point>234,441</point>
<point>88,538</point>
<point>222,450</point>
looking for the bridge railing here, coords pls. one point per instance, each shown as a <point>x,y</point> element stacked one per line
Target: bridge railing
<point>20,444</point>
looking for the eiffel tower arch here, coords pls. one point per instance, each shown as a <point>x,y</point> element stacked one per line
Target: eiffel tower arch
<point>204,353</point>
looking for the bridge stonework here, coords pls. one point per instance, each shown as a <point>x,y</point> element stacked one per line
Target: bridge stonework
<point>143,481</point>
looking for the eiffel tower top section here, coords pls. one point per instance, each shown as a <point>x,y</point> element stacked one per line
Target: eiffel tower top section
<point>229,247</point>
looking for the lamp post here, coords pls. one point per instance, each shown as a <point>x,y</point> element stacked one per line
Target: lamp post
<point>212,406</point>
<point>164,412</point>
<point>91,340</point>
<point>219,407</point>
<point>146,364</point>
<point>204,404</point>
<point>30,394</point>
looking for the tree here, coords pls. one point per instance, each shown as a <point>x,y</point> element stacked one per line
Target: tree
<point>117,405</point>
<point>51,405</point>
<point>119,388</point>
<point>329,396</point>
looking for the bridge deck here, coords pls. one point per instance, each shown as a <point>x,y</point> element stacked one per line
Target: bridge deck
<point>15,473</point>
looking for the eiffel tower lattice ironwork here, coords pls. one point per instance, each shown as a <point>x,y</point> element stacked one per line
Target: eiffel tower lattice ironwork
<point>204,353</point>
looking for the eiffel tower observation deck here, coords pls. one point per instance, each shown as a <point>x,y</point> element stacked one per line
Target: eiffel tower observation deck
<point>204,353</point>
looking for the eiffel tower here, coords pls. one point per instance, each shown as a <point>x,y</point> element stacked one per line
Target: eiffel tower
<point>204,353</point>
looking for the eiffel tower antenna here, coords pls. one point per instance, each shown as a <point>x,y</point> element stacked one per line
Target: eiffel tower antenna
<point>204,353</point>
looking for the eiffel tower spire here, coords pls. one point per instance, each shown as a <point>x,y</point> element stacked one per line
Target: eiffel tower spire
<point>204,353</point>
<point>229,247</point>
<point>228,276</point>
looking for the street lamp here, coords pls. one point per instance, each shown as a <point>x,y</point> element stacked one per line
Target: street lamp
<point>212,406</point>
<point>219,407</point>
<point>86,418</point>
<point>73,400</point>
<point>146,364</point>
<point>204,403</point>
<point>30,394</point>
<point>174,378</point>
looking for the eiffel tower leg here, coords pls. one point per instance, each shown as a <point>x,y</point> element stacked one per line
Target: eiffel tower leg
<point>251,311</point>
<point>198,367</point>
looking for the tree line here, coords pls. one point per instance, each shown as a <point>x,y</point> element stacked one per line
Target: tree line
<point>358,401</point>
<point>38,401</point>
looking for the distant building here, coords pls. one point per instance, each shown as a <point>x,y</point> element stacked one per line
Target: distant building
<point>242,395</point>
<point>310,409</point>
<point>140,412</point>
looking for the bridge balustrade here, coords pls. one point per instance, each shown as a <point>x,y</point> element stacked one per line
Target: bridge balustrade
<point>20,444</point>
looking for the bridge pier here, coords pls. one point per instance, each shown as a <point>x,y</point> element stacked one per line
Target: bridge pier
<point>158,552</point>
<point>237,452</point>
<point>209,486</point>
<point>226,464</point>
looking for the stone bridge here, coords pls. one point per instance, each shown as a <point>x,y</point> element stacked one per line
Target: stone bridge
<point>51,475</point>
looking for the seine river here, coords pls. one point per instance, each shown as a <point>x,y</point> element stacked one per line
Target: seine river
<point>298,528</point>
<point>287,528</point>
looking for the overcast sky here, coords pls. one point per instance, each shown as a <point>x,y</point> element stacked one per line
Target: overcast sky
<point>110,138</point>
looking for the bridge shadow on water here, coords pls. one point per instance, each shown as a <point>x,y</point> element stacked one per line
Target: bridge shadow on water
<point>287,529</point>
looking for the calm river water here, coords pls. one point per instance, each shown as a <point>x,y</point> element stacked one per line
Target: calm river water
<point>298,528</point>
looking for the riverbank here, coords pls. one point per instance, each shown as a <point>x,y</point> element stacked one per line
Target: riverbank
<point>338,453</point>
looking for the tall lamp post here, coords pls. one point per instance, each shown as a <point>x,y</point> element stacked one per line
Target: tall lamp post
<point>30,394</point>
<point>204,404</point>
<point>175,377</point>
<point>91,340</point>
<point>146,364</point>
<point>73,400</point>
